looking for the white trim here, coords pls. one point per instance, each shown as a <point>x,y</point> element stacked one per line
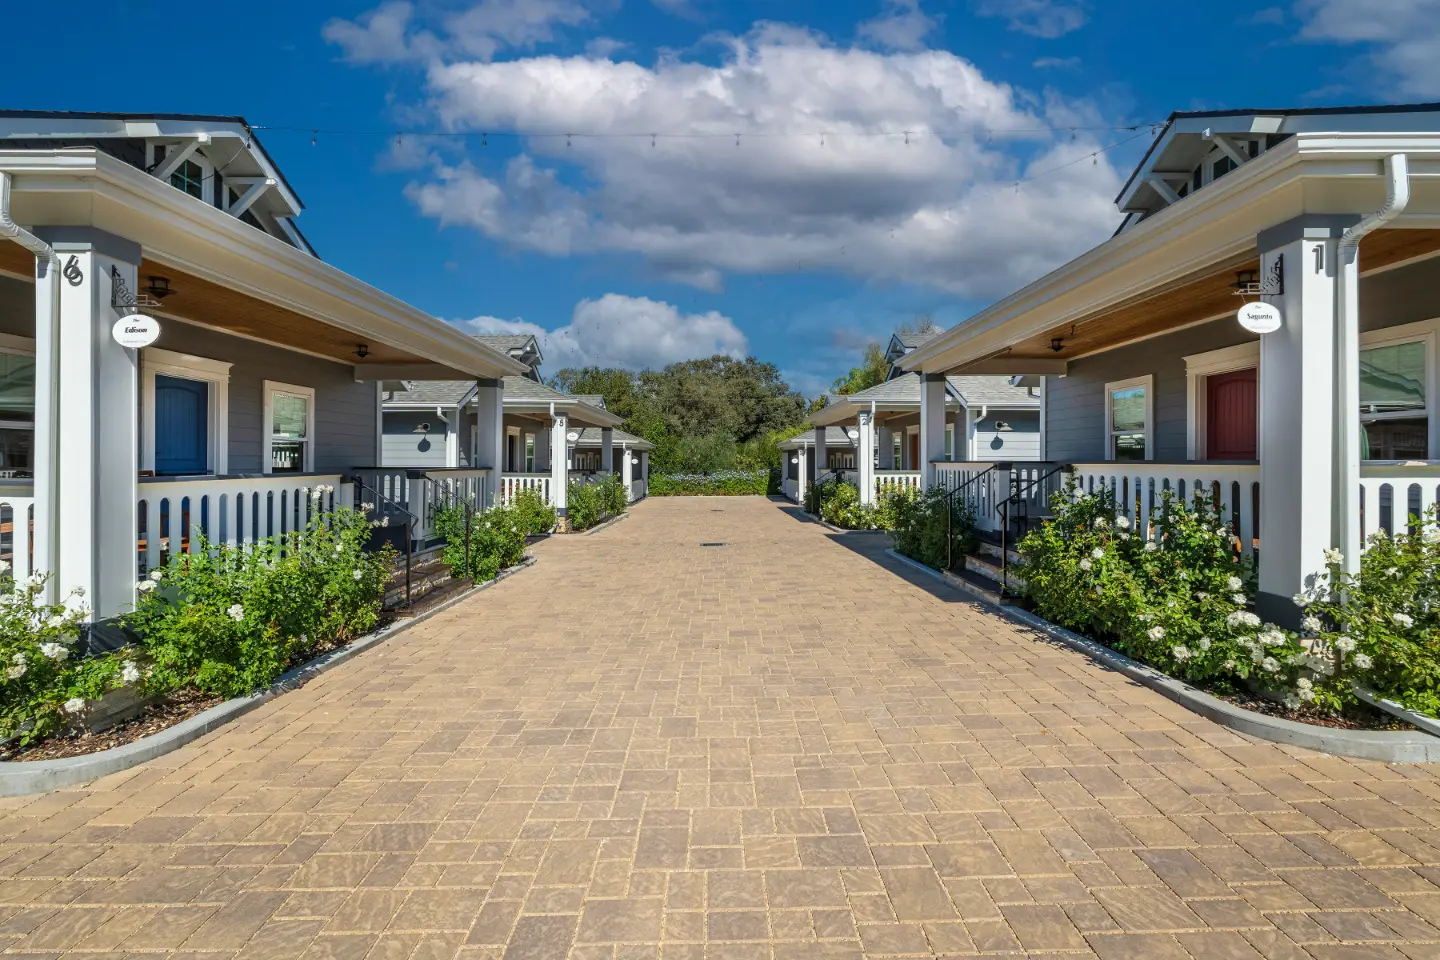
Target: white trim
<point>267,425</point>
<point>1198,366</point>
<point>1148,382</point>
<point>216,373</point>
<point>1044,415</point>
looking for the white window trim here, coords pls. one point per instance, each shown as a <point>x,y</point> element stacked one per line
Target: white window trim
<point>1198,366</point>
<point>1148,382</point>
<point>272,387</point>
<point>216,373</point>
<point>207,170</point>
<point>1428,332</point>
<point>20,347</point>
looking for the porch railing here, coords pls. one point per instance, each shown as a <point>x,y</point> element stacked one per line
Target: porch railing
<point>17,527</point>
<point>637,489</point>
<point>897,480</point>
<point>227,510</point>
<point>1391,493</point>
<point>981,486</point>
<point>423,492</point>
<point>1139,487</point>
<point>512,483</point>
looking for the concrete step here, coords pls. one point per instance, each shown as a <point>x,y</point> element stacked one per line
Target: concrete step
<point>989,568</point>
<point>991,550</point>
<point>976,584</point>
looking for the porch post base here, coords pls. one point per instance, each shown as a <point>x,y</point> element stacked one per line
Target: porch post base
<point>1281,611</point>
<point>562,521</point>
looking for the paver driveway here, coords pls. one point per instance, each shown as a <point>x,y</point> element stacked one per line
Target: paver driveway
<point>643,747</point>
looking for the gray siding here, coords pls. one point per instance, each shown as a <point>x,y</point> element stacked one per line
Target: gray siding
<point>344,410</point>
<point>1075,404</point>
<point>1403,295</point>
<point>1020,442</point>
<point>403,447</point>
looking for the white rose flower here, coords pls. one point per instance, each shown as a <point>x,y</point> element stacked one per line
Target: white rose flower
<point>1123,535</point>
<point>54,651</point>
<point>74,705</point>
<point>4,566</point>
<point>35,580</point>
<point>129,672</point>
<point>1123,522</point>
<point>1403,619</point>
<point>1233,583</point>
<point>1097,554</point>
<point>1362,661</point>
<point>1333,556</point>
<point>1272,638</point>
<point>157,575</point>
<point>1300,600</point>
<point>19,660</point>
<point>236,612</point>
<point>1229,666</point>
<point>1257,655</point>
<point>357,573</point>
<point>1151,546</point>
<point>1304,690</point>
<point>1204,643</point>
<point>1085,564</point>
<point>1292,702</point>
<point>145,586</point>
<point>1242,618</point>
<point>16,672</point>
<point>1156,633</point>
<point>1101,523</point>
<point>1181,652</point>
<point>1201,595</point>
<point>1310,624</point>
<point>1298,659</point>
<point>1393,572</point>
<point>1270,665</point>
<point>1237,598</point>
<point>56,622</point>
<point>1344,644</point>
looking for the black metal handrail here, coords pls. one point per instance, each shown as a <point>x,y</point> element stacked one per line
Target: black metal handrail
<point>1021,491</point>
<point>950,513</point>
<point>384,503</point>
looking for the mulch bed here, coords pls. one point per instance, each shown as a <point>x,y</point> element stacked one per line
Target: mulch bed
<point>152,719</point>
<point>1360,716</point>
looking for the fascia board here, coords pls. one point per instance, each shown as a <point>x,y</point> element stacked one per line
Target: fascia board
<point>233,254</point>
<point>1172,230</point>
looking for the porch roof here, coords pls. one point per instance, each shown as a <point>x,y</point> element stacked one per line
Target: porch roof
<point>1177,268</point>
<point>525,395</point>
<point>902,394</point>
<point>226,275</point>
<point>590,437</point>
<point>834,437</point>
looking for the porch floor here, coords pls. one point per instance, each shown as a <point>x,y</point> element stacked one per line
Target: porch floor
<point>788,747</point>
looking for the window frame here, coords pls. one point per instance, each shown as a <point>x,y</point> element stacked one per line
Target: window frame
<point>207,170</point>
<point>1148,382</point>
<point>271,389</point>
<point>1428,333</point>
<point>20,347</point>
<point>216,373</point>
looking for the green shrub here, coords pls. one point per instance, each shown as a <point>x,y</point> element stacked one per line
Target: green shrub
<point>840,506</point>
<point>229,620</point>
<point>45,683</point>
<point>1384,624</point>
<point>535,513</point>
<point>930,528</point>
<point>497,540</point>
<point>590,504</point>
<point>726,483</point>
<point>1176,597</point>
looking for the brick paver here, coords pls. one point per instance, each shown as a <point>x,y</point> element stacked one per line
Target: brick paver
<point>784,748</point>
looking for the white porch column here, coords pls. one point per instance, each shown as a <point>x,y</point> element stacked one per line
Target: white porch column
<point>94,426</point>
<point>822,458</point>
<point>865,457</point>
<point>489,452</point>
<point>802,473</point>
<point>932,426</point>
<point>1297,420</point>
<point>607,451</point>
<point>559,464</point>
<point>645,472</point>
<point>627,468</point>
<point>885,439</point>
<point>455,425</point>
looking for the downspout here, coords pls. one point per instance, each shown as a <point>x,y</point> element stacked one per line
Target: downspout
<point>47,319</point>
<point>1345,520</point>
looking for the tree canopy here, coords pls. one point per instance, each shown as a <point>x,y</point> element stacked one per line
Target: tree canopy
<point>874,368</point>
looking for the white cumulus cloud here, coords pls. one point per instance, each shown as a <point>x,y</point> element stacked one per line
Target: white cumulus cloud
<point>1039,18</point>
<point>394,31</point>
<point>635,333</point>
<point>902,25</point>
<point>821,179</point>
<point>1404,37</point>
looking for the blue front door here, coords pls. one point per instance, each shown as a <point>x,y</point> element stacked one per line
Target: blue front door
<point>182,426</point>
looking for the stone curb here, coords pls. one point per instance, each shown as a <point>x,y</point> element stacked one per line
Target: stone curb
<point>1389,746</point>
<point>23,778</point>
<point>599,526</point>
<point>1428,724</point>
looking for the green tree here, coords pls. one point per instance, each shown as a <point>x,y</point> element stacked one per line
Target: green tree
<point>873,370</point>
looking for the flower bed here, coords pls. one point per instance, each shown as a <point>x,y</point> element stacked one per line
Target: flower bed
<point>497,538</point>
<point>726,483</point>
<point>222,621</point>
<point>591,504</point>
<point>1179,599</point>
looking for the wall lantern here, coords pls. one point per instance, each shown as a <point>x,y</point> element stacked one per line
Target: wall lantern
<point>362,351</point>
<point>1057,344</point>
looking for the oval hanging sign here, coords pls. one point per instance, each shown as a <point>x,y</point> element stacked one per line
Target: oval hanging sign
<point>572,436</point>
<point>136,331</point>
<point>1260,317</point>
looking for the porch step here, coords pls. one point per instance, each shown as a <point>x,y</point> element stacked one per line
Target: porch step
<point>988,567</point>
<point>988,547</point>
<point>976,584</point>
<point>426,577</point>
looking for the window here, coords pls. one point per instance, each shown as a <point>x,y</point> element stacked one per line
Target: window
<point>1129,406</point>
<point>190,179</point>
<point>17,409</point>
<point>290,437</point>
<point>1394,412</point>
<point>1222,166</point>
<point>529,453</point>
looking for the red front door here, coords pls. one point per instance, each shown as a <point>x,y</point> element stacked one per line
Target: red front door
<point>914,451</point>
<point>1230,416</point>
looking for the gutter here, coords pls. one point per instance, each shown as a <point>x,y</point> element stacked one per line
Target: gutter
<point>1345,518</point>
<point>47,405</point>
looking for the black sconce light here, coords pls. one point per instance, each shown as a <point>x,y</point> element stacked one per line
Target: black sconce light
<point>362,351</point>
<point>159,287</point>
<point>1057,344</point>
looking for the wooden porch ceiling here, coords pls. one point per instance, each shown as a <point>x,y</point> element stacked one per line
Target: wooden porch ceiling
<point>212,305</point>
<point>1203,296</point>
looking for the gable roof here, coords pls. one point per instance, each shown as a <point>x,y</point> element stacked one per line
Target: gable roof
<point>904,391</point>
<point>834,437</point>
<point>506,342</point>
<point>594,399</point>
<point>431,393</point>
<point>591,437</point>
<point>994,391</point>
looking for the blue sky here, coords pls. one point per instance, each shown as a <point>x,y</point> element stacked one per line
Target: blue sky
<point>874,178</point>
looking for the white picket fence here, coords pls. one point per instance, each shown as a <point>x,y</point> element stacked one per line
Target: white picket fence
<point>512,483</point>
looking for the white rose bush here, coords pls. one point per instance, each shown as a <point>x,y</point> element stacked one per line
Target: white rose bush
<point>497,540</point>
<point>1177,597</point>
<point>229,620</point>
<point>46,681</point>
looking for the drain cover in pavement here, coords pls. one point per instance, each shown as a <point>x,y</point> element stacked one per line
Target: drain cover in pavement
<point>714,544</point>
